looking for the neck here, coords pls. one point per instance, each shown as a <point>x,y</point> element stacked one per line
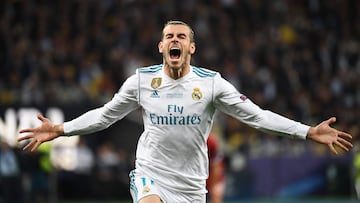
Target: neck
<point>176,73</point>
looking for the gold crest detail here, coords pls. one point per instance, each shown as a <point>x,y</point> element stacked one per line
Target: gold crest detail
<point>196,95</point>
<point>146,190</point>
<point>155,83</point>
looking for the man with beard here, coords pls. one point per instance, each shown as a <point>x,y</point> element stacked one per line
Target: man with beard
<point>178,103</point>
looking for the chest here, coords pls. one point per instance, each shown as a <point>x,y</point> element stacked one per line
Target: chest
<point>185,97</point>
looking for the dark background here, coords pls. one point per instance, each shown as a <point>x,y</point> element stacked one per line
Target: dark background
<point>299,58</point>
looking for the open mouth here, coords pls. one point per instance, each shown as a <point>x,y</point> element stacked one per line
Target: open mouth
<point>175,53</point>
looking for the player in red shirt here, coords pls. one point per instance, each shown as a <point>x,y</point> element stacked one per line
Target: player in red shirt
<point>215,184</point>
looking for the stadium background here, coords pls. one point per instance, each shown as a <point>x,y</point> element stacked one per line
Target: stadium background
<point>299,58</point>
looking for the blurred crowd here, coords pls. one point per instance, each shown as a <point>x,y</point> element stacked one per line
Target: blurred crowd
<point>300,58</point>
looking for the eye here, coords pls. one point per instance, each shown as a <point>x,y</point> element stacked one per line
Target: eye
<point>169,36</point>
<point>182,36</point>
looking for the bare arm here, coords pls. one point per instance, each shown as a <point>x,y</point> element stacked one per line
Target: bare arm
<point>323,133</point>
<point>45,132</point>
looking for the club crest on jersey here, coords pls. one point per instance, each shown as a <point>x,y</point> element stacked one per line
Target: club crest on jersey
<point>155,84</point>
<point>146,190</point>
<point>196,95</point>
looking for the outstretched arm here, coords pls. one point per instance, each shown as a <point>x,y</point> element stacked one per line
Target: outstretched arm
<point>323,133</point>
<point>45,132</point>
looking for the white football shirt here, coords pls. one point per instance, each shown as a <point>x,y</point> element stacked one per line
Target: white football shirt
<point>178,116</point>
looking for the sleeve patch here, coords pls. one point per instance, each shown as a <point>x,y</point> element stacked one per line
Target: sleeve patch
<point>243,97</point>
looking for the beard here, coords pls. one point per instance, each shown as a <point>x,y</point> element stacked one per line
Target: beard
<point>175,65</point>
<point>175,71</point>
<point>176,68</point>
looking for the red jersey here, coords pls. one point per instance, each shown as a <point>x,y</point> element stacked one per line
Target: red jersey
<point>216,162</point>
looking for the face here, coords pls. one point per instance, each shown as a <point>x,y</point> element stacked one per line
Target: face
<point>176,46</point>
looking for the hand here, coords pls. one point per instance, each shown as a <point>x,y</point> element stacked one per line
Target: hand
<point>46,132</point>
<point>325,134</point>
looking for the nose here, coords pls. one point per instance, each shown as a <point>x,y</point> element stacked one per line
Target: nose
<point>175,39</point>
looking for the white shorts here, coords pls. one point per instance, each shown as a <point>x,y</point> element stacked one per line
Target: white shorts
<point>142,186</point>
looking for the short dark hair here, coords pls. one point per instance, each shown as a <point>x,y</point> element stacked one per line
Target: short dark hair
<point>178,22</point>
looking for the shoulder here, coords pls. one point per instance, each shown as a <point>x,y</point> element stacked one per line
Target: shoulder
<point>150,69</point>
<point>204,72</point>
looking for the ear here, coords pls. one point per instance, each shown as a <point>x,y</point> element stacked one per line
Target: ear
<point>192,48</point>
<point>160,46</point>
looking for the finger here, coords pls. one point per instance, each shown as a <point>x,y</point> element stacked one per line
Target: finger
<point>341,145</point>
<point>41,117</point>
<point>28,146</point>
<point>332,148</point>
<point>25,137</point>
<point>29,136</point>
<point>37,144</point>
<point>28,130</point>
<point>330,120</point>
<point>347,143</point>
<point>344,134</point>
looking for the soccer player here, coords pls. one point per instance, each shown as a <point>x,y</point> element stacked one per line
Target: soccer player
<point>178,102</point>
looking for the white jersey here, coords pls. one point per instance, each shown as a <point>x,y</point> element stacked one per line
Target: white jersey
<point>178,116</point>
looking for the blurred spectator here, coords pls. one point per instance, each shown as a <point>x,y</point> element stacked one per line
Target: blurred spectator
<point>107,161</point>
<point>77,182</point>
<point>40,172</point>
<point>215,183</point>
<point>10,177</point>
<point>85,158</point>
<point>299,58</point>
<point>356,161</point>
<point>268,50</point>
<point>112,171</point>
